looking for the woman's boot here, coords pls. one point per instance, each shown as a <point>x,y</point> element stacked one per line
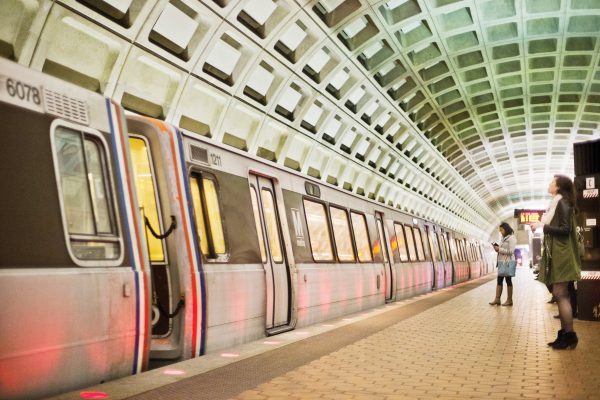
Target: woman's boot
<point>508,301</point>
<point>496,301</point>
<point>568,340</point>
<point>558,336</point>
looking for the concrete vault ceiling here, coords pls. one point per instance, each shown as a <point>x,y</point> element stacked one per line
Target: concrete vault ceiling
<point>457,111</point>
<point>501,88</point>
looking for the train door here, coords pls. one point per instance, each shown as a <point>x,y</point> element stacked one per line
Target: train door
<point>445,246</point>
<point>277,271</point>
<point>165,304</point>
<point>161,184</point>
<point>436,259</point>
<point>452,258</point>
<point>387,261</point>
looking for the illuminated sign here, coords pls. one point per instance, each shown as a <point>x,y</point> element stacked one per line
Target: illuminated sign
<point>529,216</point>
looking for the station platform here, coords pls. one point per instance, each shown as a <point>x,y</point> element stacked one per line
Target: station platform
<point>449,344</point>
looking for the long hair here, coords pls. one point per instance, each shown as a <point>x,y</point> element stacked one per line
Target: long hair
<point>507,229</point>
<point>565,188</point>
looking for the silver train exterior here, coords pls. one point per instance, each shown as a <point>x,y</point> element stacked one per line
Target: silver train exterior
<point>126,239</point>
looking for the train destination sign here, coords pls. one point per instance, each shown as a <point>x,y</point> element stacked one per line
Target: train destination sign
<point>528,216</point>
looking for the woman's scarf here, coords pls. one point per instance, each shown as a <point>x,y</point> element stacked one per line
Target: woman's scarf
<point>549,214</point>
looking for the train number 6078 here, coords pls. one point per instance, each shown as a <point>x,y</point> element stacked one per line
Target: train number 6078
<point>23,91</point>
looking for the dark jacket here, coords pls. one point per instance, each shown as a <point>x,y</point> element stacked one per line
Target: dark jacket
<point>560,247</point>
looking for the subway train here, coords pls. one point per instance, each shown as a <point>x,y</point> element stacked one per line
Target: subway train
<point>126,239</point>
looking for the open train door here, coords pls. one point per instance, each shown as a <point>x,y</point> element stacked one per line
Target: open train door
<point>272,248</point>
<point>160,182</point>
<point>387,260</point>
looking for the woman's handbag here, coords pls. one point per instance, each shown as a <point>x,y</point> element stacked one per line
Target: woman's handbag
<point>507,268</point>
<point>547,256</point>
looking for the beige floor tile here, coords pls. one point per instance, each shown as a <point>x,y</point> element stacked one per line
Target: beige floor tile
<point>460,349</point>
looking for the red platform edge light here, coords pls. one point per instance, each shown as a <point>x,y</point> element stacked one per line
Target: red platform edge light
<point>173,371</point>
<point>93,395</point>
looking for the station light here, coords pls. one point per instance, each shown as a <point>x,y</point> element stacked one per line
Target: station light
<point>93,395</point>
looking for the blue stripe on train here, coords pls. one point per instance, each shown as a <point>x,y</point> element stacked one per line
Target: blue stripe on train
<point>195,244</point>
<point>127,237</point>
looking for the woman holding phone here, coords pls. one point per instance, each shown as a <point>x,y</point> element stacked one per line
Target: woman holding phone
<point>506,253</point>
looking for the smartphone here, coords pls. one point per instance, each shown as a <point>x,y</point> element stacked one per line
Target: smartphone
<point>494,244</point>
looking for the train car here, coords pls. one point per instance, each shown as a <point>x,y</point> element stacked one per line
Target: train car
<point>128,240</point>
<point>74,286</point>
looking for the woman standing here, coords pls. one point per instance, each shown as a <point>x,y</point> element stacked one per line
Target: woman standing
<point>560,259</point>
<point>506,252</point>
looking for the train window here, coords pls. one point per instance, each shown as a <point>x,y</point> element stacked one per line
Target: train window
<point>199,215</point>
<point>363,243</point>
<point>425,245</point>
<point>401,242</point>
<point>341,234</point>
<point>381,249</point>
<point>207,213</point>
<point>270,215</point>
<point>448,250</point>
<point>440,242</point>
<point>147,196</point>
<point>457,249</point>
<point>419,244</point>
<point>447,247</point>
<point>435,247</point>
<point>258,224</point>
<point>318,231</point>
<point>410,243</point>
<point>444,247</point>
<point>86,196</point>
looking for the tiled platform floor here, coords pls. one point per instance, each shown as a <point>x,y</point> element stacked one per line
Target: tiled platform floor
<point>449,344</point>
<point>461,349</point>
